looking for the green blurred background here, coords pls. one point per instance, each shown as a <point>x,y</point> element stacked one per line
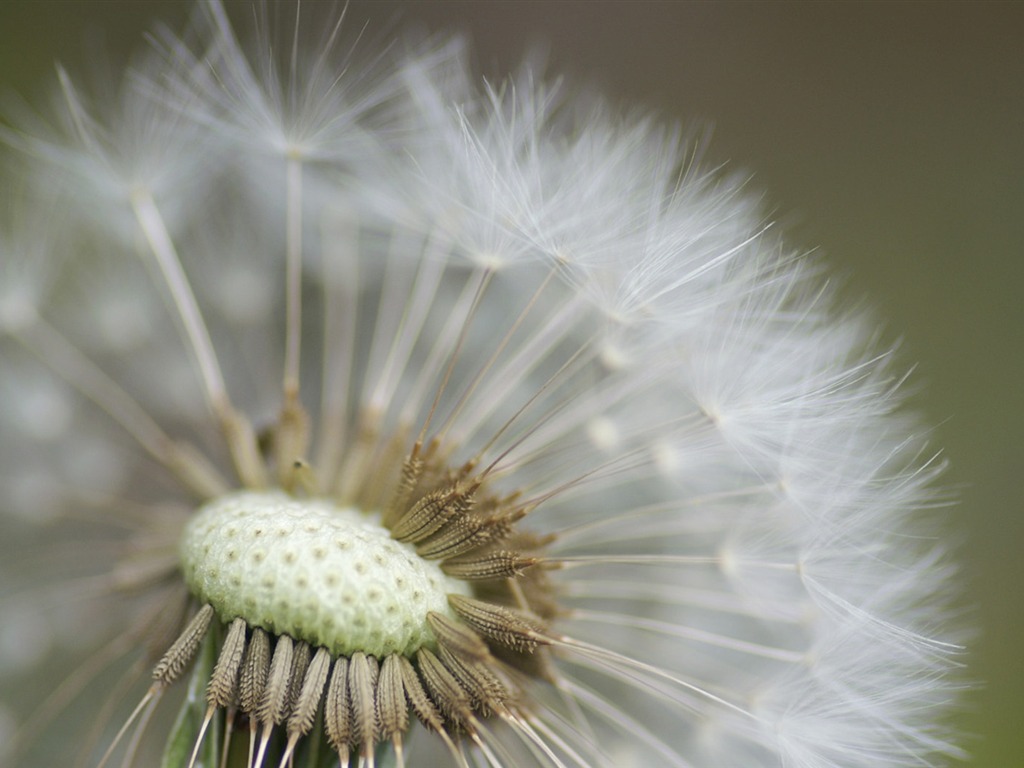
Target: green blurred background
<point>890,136</point>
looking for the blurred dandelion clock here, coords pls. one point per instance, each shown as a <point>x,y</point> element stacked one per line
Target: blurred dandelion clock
<point>354,413</point>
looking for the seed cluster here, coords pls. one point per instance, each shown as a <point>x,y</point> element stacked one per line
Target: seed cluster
<point>476,664</point>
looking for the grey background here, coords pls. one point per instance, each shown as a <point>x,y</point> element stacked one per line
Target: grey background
<point>890,136</point>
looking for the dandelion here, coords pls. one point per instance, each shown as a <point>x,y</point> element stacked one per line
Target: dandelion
<point>381,417</point>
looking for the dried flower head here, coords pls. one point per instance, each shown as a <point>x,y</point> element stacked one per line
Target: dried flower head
<point>382,417</point>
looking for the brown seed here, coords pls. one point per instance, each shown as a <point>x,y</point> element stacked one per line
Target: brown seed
<point>362,687</point>
<point>273,707</point>
<point>392,709</point>
<point>433,512</point>
<point>417,696</point>
<point>446,691</point>
<point>255,669</point>
<point>506,626</point>
<point>501,564</point>
<point>184,649</point>
<point>308,700</point>
<point>337,718</point>
<point>300,662</point>
<point>223,686</point>
<point>464,533</point>
<point>486,690</point>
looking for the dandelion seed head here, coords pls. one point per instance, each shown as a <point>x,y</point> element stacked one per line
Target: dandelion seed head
<point>387,415</point>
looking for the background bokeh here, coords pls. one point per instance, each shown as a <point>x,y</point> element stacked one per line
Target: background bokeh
<point>889,136</point>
